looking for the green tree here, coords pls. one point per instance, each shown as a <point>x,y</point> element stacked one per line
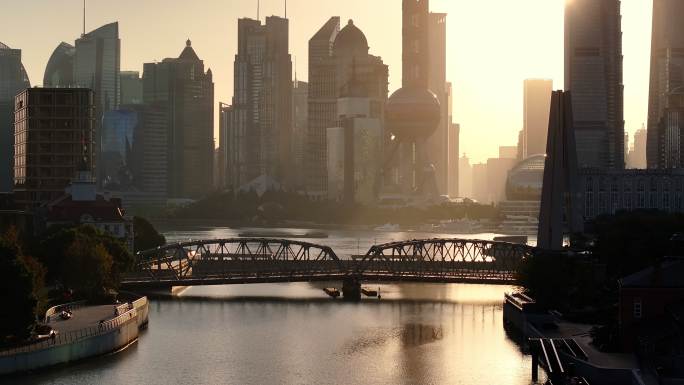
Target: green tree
<point>17,313</point>
<point>87,268</point>
<point>146,236</point>
<point>54,247</point>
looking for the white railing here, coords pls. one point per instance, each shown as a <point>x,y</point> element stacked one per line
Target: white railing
<point>58,309</point>
<point>76,335</point>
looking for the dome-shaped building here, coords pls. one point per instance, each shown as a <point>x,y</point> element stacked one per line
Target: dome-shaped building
<point>350,41</point>
<point>525,180</point>
<point>59,71</point>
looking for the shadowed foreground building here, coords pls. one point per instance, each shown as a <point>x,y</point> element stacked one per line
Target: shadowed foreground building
<point>53,138</point>
<point>13,79</point>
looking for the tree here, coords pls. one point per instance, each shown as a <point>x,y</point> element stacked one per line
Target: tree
<point>146,236</point>
<point>58,242</point>
<point>87,268</point>
<point>17,313</point>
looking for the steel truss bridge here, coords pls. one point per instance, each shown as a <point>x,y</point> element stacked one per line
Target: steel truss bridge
<point>259,260</point>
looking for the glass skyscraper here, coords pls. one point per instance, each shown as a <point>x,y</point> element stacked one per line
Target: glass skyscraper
<point>13,79</point>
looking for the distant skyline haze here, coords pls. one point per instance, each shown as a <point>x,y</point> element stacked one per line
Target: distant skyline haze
<point>492,46</point>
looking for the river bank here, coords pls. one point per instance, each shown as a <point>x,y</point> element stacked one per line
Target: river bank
<point>91,331</point>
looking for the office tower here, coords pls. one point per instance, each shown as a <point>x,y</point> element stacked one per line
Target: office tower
<point>229,148</point>
<point>413,112</point>
<point>179,99</point>
<point>438,144</point>
<point>97,62</point>
<point>465,177</point>
<point>593,72</point>
<point>322,105</point>
<point>53,139</point>
<point>118,133</point>
<point>262,100</point>
<point>453,151</point>
<point>13,79</point>
<point>536,104</point>
<point>152,150</point>
<point>131,88</point>
<point>637,154</point>
<point>667,77</point>
<point>343,71</point>
<point>300,117</point>
<point>59,71</point>
<point>508,152</point>
<point>670,129</point>
<point>480,183</point>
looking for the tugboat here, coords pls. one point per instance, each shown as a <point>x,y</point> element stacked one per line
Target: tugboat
<point>332,292</point>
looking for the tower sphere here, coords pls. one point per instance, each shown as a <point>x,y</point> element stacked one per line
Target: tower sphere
<point>412,113</point>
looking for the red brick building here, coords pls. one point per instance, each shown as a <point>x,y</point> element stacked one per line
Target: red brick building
<point>647,299</point>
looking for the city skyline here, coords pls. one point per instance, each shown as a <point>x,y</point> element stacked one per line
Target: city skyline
<point>473,79</point>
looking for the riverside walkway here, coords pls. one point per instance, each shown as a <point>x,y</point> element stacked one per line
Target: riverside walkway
<point>83,317</point>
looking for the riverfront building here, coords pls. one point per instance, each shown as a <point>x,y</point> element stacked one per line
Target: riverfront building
<point>13,79</point>
<point>667,79</point>
<point>593,72</point>
<point>262,102</point>
<point>54,130</point>
<point>179,125</point>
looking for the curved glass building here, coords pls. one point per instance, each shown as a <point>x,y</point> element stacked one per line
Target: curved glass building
<point>525,180</point>
<point>13,79</point>
<point>59,71</point>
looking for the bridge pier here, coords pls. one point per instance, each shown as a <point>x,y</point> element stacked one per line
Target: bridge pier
<point>351,289</point>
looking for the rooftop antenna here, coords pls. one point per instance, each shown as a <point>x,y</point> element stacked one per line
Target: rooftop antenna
<point>286,9</point>
<point>258,4</point>
<point>84,16</point>
<point>295,63</point>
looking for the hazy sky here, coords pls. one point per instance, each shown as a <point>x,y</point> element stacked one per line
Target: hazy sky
<point>493,45</point>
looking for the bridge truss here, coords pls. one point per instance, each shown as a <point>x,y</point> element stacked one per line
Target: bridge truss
<point>260,260</point>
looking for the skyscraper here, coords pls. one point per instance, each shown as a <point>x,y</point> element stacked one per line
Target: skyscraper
<point>179,99</point>
<point>54,139</point>
<point>348,72</point>
<point>322,105</point>
<point>300,117</point>
<point>593,72</point>
<point>413,112</point>
<point>438,143</point>
<point>97,62</point>
<point>228,152</point>
<point>59,71</point>
<point>667,78</point>
<point>536,104</point>
<point>262,100</point>
<point>453,151</point>
<point>637,154</point>
<point>131,88</point>
<point>13,79</point>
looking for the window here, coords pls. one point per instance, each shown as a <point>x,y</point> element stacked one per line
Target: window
<point>637,308</point>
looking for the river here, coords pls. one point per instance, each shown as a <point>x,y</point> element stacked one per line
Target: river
<point>294,334</point>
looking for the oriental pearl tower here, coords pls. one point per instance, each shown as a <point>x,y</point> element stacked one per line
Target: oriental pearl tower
<point>413,112</point>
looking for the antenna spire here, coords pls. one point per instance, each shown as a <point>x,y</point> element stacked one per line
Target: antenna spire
<point>286,9</point>
<point>258,4</point>
<point>84,16</point>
